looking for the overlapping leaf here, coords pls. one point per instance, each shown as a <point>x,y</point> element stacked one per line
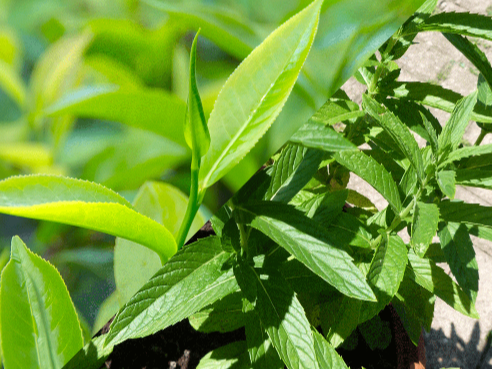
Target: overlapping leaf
<point>326,355</point>
<point>424,226</point>
<point>468,213</point>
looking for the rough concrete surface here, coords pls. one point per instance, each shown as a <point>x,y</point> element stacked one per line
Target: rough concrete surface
<point>454,340</point>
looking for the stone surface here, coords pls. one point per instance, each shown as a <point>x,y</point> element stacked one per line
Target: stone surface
<point>454,340</point>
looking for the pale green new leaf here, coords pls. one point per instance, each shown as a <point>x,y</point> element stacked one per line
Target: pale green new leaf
<point>446,180</point>
<point>231,356</point>
<point>433,278</point>
<point>39,325</point>
<point>134,264</point>
<point>308,242</point>
<point>12,84</point>
<point>454,129</point>
<point>424,226</point>
<point>192,279</point>
<point>255,93</point>
<point>460,255</point>
<point>26,154</point>
<point>372,172</point>
<point>474,177</point>
<point>83,204</point>
<point>398,132</point>
<point>467,24</point>
<point>326,355</point>
<point>195,129</point>
<point>318,136</point>
<point>152,110</point>
<point>468,213</point>
<point>385,274</point>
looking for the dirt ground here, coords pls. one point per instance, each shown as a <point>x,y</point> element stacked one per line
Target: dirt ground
<point>454,340</point>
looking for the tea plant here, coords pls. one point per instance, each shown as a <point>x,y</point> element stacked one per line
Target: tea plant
<point>305,264</point>
<point>240,117</point>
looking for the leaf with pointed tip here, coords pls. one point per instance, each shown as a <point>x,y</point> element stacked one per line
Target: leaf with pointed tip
<point>433,278</point>
<point>467,24</point>
<point>474,177</point>
<point>307,241</point>
<point>253,97</point>
<point>231,356</point>
<point>468,213</point>
<point>193,278</point>
<point>195,129</point>
<point>385,274</point>
<point>83,204</point>
<point>39,325</point>
<point>467,151</point>
<point>424,226</point>
<point>339,318</point>
<point>326,355</point>
<point>454,129</point>
<point>262,354</point>
<point>152,110</point>
<point>334,111</point>
<point>372,172</point>
<point>92,356</point>
<point>318,136</point>
<point>447,183</point>
<point>460,255</point>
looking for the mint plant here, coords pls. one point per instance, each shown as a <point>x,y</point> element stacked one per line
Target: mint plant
<point>247,106</point>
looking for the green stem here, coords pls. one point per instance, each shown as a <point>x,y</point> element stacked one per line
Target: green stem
<point>480,138</point>
<point>375,79</point>
<point>191,209</point>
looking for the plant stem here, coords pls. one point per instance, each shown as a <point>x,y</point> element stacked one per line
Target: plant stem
<point>375,79</point>
<point>191,209</point>
<point>480,138</point>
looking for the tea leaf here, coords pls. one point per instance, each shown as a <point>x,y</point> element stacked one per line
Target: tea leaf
<point>262,353</point>
<point>374,173</point>
<point>195,129</point>
<point>385,274</point>
<point>12,84</point>
<point>253,97</point>
<point>39,325</point>
<point>433,96</point>
<point>193,278</point>
<point>467,24</point>
<point>326,355</point>
<point>398,132</point>
<point>280,313</point>
<point>231,356</point>
<point>447,183</point>
<point>291,171</point>
<point>307,241</point>
<point>83,204</point>
<point>318,136</point>
<point>460,255</point>
<point>152,110</point>
<point>454,129</point>
<point>468,213</point>
<point>134,264</point>
<point>424,226</point>
<point>474,177</point>
<point>473,54</point>
<point>433,278</point>
<point>26,154</point>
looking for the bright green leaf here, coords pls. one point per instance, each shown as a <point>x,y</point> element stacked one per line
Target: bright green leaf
<point>326,355</point>
<point>484,90</point>
<point>26,154</point>
<point>252,97</point>
<point>106,311</point>
<point>193,278</point>
<point>12,84</point>
<point>262,354</point>
<point>374,173</point>
<point>474,177</point>
<point>467,24</point>
<point>307,241</point>
<point>152,110</point>
<point>447,183</point>
<point>468,151</point>
<point>231,356</point>
<point>318,136</point>
<point>39,324</point>
<point>460,255</point>
<point>83,204</point>
<point>424,226</point>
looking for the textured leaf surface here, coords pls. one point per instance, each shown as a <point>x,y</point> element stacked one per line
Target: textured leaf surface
<point>326,355</point>
<point>385,274</point>
<point>318,136</point>
<point>83,204</point>
<point>262,354</point>
<point>433,278</point>
<point>424,226</point>
<point>460,255</point>
<point>151,110</point>
<point>474,177</point>
<point>468,151</point>
<point>476,25</point>
<point>306,240</point>
<point>255,93</point>
<point>192,279</point>
<point>230,356</point>
<point>374,173</point>
<point>39,325</point>
<point>134,264</point>
<point>468,213</point>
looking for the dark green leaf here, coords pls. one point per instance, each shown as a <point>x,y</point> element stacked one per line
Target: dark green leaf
<point>467,24</point>
<point>433,278</point>
<point>424,226</point>
<point>376,333</point>
<point>447,183</point>
<point>468,151</point>
<point>306,240</point>
<point>410,322</point>
<point>468,213</point>
<point>474,177</point>
<point>193,278</point>
<point>460,255</point>
<point>326,355</point>
<point>339,318</point>
<point>374,173</point>
<point>262,354</point>
<point>231,356</point>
